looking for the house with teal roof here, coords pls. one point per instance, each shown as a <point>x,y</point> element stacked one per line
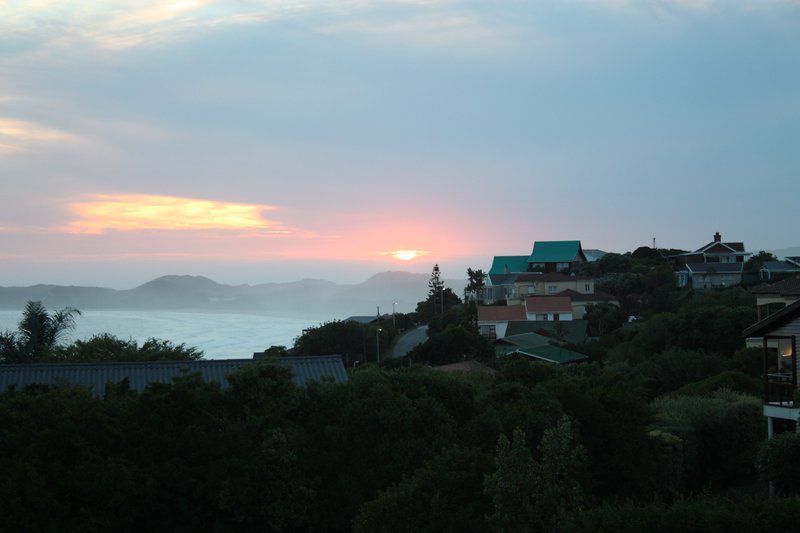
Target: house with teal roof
<point>556,256</point>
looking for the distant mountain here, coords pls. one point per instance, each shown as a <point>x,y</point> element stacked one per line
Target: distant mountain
<point>793,251</point>
<point>308,297</point>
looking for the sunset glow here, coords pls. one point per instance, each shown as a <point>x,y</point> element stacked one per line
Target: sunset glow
<point>129,212</point>
<point>406,255</point>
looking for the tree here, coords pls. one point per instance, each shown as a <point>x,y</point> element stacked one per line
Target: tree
<point>512,485</point>
<point>37,335</point>
<point>558,473</point>
<point>604,317</point>
<point>108,348</point>
<point>476,281</point>
<point>756,262</point>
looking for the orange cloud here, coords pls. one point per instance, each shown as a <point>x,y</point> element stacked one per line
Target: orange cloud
<point>130,212</point>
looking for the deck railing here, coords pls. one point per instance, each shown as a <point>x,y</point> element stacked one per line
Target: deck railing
<point>779,389</point>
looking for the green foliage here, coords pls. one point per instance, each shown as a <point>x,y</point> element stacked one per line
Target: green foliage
<point>444,495</point>
<point>352,340</point>
<point>670,369</point>
<point>749,360</point>
<point>38,334</point>
<point>559,472</point>
<point>535,495</point>
<point>454,343</point>
<point>107,348</point>
<point>603,318</point>
<point>722,434</point>
<point>512,486</point>
<point>756,261</point>
<point>699,514</point>
<point>777,463</point>
<point>476,280</point>
<point>731,380</point>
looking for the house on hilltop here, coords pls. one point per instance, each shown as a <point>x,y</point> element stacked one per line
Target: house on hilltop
<point>556,256</point>
<point>717,264</point>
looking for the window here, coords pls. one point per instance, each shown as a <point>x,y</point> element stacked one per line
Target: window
<point>489,331</point>
<point>588,287</point>
<point>555,317</point>
<point>531,289</point>
<point>552,289</point>
<point>541,316</point>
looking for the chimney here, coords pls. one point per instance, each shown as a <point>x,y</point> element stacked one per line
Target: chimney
<point>717,237</point>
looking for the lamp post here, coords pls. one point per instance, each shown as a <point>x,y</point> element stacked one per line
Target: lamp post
<point>378,343</point>
<point>442,297</point>
<point>394,322</point>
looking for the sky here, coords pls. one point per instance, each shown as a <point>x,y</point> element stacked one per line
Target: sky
<point>273,140</point>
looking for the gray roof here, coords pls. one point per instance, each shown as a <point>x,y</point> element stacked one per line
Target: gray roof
<point>780,266</point>
<point>502,279</point>
<point>140,375</point>
<point>718,268</point>
<point>365,319</point>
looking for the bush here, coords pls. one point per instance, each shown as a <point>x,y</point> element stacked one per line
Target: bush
<point>777,462</point>
<point>673,368</point>
<point>731,380</point>
<point>701,514</point>
<point>721,435</point>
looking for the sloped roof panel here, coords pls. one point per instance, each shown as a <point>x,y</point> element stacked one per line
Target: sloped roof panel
<point>96,375</point>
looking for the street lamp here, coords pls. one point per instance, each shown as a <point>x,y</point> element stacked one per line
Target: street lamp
<point>442,297</point>
<point>378,343</point>
<point>394,322</point>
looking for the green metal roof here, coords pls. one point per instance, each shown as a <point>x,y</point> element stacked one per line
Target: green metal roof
<point>575,331</point>
<point>552,354</point>
<point>140,374</point>
<point>525,339</point>
<point>509,264</point>
<point>556,252</point>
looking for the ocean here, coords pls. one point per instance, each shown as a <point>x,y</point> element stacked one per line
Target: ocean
<point>219,335</point>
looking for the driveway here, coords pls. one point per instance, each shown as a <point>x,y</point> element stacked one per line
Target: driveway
<point>409,340</point>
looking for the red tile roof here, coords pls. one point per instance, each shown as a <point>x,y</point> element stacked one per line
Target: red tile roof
<point>501,313</point>
<point>576,296</point>
<point>548,304</point>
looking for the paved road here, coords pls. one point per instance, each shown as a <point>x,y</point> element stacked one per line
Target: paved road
<point>410,339</point>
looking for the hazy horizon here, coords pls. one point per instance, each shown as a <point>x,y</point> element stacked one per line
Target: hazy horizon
<point>275,141</point>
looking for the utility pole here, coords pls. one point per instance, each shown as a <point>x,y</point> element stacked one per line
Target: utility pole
<point>442,297</point>
<point>394,321</point>
<point>378,343</point>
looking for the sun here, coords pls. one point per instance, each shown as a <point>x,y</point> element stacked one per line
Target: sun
<point>407,255</point>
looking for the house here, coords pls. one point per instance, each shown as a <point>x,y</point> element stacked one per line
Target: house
<point>493,319</point>
<point>780,269</point>
<point>95,376</point>
<point>501,276</point>
<point>779,334</point>
<point>774,297</point>
<point>717,264</point>
<point>556,256</point>
<point>543,284</point>
<point>581,300</point>
<point>549,308</point>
